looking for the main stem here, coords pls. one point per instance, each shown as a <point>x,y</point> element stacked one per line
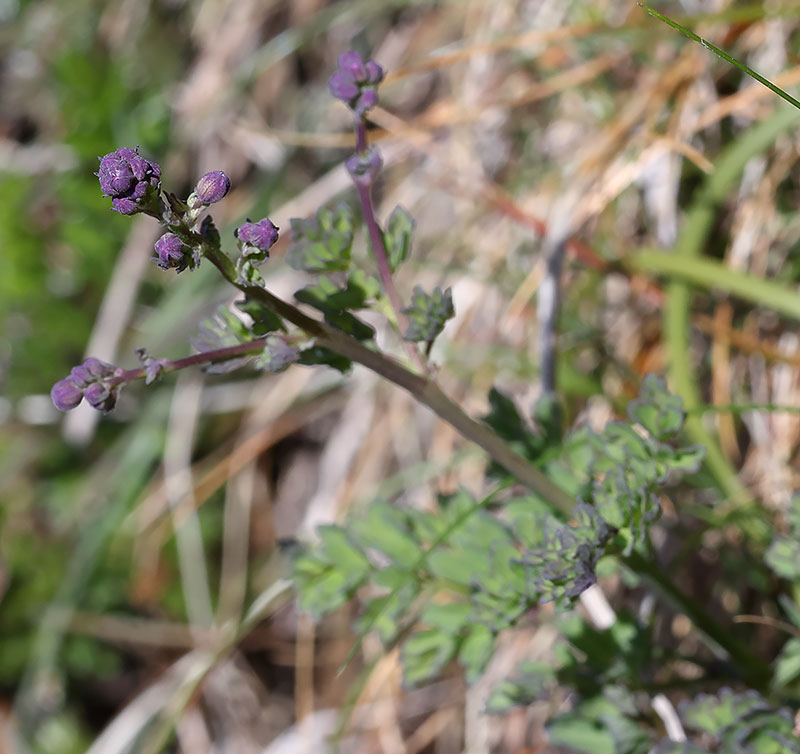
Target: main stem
<point>424,389</point>
<point>427,392</point>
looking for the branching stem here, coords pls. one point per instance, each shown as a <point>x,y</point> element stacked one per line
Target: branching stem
<point>423,388</point>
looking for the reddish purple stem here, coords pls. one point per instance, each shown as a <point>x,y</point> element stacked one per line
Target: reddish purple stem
<point>379,250</point>
<point>219,354</point>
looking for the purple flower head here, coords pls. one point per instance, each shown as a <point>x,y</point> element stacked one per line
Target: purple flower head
<point>355,81</point>
<point>261,235</point>
<point>66,394</point>
<point>363,168</point>
<point>130,180</point>
<point>94,380</point>
<point>172,253</point>
<point>212,187</point>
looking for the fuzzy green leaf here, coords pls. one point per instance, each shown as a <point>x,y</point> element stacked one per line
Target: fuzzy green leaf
<point>322,243</point>
<point>397,236</point>
<point>428,314</point>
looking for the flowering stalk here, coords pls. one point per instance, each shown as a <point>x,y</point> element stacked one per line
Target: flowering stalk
<point>134,185</point>
<point>355,84</point>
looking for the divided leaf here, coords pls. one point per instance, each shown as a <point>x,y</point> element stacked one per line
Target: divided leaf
<point>277,355</point>
<point>322,243</point>
<point>327,577</point>
<point>223,329</point>
<point>428,314</point>
<point>264,319</point>
<point>656,409</point>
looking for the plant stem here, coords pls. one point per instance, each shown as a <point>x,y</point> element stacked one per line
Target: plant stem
<point>205,357</point>
<point>379,249</point>
<point>423,388</point>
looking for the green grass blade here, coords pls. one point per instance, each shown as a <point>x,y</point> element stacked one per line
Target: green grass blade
<point>709,273</point>
<point>724,55</point>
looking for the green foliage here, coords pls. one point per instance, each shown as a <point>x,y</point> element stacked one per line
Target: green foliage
<point>506,421</point>
<point>322,243</point>
<point>742,723</point>
<point>428,314</point>
<point>783,554</point>
<point>263,320</point>
<point>324,356</point>
<point>276,356</point>
<point>331,573</point>
<point>397,236</point>
<point>471,574</point>
<point>333,301</point>
<point>223,329</point>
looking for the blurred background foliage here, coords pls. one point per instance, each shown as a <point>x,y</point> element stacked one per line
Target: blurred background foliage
<point>600,116</point>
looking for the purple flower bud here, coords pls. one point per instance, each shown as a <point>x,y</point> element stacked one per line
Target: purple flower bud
<point>90,371</point>
<point>212,187</point>
<point>172,253</point>
<point>341,87</point>
<point>352,65</point>
<point>261,235</point>
<point>374,72</point>
<point>100,396</point>
<point>363,168</point>
<point>355,81</point>
<point>130,180</point>
<point>66,394</point>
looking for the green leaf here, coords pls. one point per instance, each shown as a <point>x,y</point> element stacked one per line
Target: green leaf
<point>425,654</point>
<point>476,651</point>
<point>276,356</point>
<point>328,576</point>
<point>222,330</point>
<point>322,355</point>
<point>783,557</point>
<point>714,714</point>
<point>322,243</point>
<point>386,528</point>
<point>791,608</point>
<point>457,565</point>
<point>506,421</point>
<point>397,236</point>
<point>449,618</point>
<point>350,324</point>
<point>327,296</point>
<point>580,734</point>
<point>428,314</point>
<point>264,319</point>
<point>385,614</point>
<point>527,685</point>
<point>656,409</point>
<point>787,666</point>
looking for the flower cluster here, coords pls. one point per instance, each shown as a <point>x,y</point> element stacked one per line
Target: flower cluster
<point>356,81</point>
<point>132,182</point>
<point>94,380</point>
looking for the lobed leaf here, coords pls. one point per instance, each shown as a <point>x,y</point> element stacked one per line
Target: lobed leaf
<point>428,314</point>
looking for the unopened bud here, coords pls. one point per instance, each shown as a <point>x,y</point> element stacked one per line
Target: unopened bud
<point>212,187</point>
<point>66,394</point>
